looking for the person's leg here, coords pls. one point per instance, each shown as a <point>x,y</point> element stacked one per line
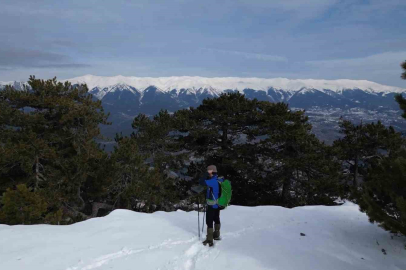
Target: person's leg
<point>217,225</point>
<point>209,222</point>
<point>210,213</point>
<point>216,216</point>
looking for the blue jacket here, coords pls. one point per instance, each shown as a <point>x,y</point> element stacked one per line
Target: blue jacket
<point>213,188</point>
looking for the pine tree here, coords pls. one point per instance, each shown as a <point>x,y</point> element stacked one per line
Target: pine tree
<point>383,196</point>
<point>48,136</point>
<point>22,206</point>
<point>399,98</point>
<point>304,166</point>
<point>208,133</point>
<point>351,148</point>
<point>363,145</point>
<point>231,131</point>
<point>136,185</point>
<point>221,131</point>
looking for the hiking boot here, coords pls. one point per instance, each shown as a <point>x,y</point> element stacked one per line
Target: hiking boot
<point>209,237</point>
<point>216,234</point>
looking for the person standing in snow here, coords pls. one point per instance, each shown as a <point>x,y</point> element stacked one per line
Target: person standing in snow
<point>213,210</point>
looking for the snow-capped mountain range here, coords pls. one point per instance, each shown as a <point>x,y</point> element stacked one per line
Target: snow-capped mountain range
<point>125,97</point>
<point>218,85</point>
<point>100,86</point>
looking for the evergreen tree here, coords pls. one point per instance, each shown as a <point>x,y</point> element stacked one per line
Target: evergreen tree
<point>48,142</point>
<point>351,148</point>
<point>242,137</point>
<point>399,98</point>
<point>136,185</point>
<point>383,196</point>
<point>362,146</point>
<point>221,131</point>
<point>303,166</point>
<point>153,140</point>
<point>22,206</point>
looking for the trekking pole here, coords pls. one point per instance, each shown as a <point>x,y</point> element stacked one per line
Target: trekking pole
<point>198,217</point>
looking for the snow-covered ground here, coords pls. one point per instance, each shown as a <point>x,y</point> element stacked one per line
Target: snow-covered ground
<point>266,237</point>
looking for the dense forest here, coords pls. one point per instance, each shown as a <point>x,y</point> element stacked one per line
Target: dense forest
<point>52,170</point>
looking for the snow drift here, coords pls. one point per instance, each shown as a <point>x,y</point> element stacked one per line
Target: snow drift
<point>266,237</point>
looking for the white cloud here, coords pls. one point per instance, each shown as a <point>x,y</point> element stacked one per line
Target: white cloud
<point>24,58</point>
<point>382,68</point>
<point>302,9</point>
<point>376,61</point>
<point>248,55</point>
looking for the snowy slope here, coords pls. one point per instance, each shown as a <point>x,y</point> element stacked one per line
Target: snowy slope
<point>220,84</point>
<point>100,92</point>
<point>267,237</point>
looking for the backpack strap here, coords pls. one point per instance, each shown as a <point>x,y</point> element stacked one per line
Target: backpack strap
<point>212,202</point>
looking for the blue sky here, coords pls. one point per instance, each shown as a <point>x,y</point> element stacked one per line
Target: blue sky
<point>319,39</point>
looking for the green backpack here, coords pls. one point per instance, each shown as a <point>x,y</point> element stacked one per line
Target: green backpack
<point>226,193</point>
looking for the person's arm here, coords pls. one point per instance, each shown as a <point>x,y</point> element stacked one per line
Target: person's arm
<point>202,180</point>
<point>212,182</point>
<point>202,184</point>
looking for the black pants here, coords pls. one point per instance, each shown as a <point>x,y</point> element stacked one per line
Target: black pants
<point>212,215</point>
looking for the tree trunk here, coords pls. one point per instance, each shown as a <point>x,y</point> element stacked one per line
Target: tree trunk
<point>37,177</point>
<point>73,213</point>
<point>96,206</point>
<point>224,137</point>
<point>82,202</point>
<point>286,189</point>
<point>355,181</point>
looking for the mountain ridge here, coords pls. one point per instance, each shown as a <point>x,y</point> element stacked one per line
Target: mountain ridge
<point>99,86</point>
<point>166,84</point>
<point>324,101</point>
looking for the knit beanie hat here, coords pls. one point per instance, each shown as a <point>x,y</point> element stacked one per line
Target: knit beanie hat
<point>213,168</point>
